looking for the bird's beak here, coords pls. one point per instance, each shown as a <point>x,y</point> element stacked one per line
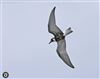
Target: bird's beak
<point>50,42</point>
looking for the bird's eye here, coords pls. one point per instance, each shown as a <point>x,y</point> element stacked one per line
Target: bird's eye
<point>52,40</point>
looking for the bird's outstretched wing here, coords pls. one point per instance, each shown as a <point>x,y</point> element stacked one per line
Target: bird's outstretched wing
<point>61,50</point>
<point>52,27</point>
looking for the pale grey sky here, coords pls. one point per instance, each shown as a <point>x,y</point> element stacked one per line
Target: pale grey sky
<point>26,52</point>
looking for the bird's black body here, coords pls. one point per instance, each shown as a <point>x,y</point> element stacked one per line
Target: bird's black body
<point>59,37</point>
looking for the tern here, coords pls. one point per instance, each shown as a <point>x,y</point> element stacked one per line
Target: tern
<point>59,37</point>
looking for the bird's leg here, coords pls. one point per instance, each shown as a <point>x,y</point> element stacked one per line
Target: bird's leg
<point>52,40</point>
<point>68,31</point>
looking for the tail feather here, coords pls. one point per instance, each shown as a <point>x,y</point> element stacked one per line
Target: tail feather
<point>68,31</point>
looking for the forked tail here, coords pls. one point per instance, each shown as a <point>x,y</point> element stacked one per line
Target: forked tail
<point>68,31</point>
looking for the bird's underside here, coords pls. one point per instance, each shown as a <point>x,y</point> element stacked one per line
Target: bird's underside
<point>59,37</point>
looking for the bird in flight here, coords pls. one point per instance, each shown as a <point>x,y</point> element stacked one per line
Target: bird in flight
<point>59,37</point>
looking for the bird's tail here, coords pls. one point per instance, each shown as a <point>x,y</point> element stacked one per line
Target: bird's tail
<point>68,31</point>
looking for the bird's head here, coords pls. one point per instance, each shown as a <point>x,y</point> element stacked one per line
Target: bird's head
<point>52,40</point>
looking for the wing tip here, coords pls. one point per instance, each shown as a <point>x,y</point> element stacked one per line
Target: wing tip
<point>72,67</point>
<point>54,8</point>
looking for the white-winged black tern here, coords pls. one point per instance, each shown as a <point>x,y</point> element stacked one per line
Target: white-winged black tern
<point>59,37</point>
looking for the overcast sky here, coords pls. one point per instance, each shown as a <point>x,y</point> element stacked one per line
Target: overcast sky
<point>25,48</point>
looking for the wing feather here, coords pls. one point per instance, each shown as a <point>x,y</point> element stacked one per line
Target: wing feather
<point>52,27</point>
<point>61,50</point>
